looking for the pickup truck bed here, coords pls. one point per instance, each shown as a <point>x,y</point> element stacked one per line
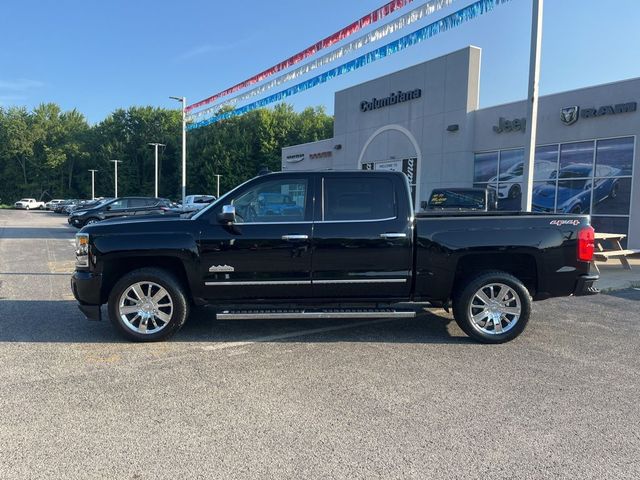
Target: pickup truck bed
<point>353,239</point>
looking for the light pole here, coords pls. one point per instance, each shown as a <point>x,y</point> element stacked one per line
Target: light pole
<point>183,100</point>
<point>532,104</point>
<point>218,185</point>
<point>156,145</point>
<point>93,182</point>
<point>115,164</point>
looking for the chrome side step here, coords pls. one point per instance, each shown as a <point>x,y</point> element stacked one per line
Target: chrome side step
<point>333,313</point>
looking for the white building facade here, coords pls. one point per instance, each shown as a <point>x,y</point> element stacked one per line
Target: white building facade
<point>425,121</point>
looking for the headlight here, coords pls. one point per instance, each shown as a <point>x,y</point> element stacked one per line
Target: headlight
<point>82,250</point>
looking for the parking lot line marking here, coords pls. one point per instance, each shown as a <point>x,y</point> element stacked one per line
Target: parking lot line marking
<point>299,333</point>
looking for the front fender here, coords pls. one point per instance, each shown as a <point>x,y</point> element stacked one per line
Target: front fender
<point>116,254</point>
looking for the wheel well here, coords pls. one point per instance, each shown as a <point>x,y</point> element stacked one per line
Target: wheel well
<point>115,270</point>
<point>521,266</point>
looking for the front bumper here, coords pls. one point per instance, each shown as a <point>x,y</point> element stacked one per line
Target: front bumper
<point>585,285</point>
<point>75,221</point>
<point>86,287</point>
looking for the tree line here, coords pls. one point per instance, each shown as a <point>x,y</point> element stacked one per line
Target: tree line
<point>47,153</point>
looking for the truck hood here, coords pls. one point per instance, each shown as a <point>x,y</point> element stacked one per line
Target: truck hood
<point>142,224</point>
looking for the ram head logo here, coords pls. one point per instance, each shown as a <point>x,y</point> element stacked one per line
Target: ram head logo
<point>569,115</point>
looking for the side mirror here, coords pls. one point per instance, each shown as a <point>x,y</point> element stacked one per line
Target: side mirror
<point>228,214</point>
<point>108,207</point>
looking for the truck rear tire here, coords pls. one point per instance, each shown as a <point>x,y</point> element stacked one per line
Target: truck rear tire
<point>493,307</point>
<point>148,305</point>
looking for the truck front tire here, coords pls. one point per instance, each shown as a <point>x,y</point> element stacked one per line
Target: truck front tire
<point>493,307</point>
<point>148,305</point>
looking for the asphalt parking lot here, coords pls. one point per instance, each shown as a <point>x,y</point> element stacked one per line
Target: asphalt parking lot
<point>306,399</point>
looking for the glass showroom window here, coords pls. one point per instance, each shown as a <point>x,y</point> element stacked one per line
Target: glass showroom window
<point>507,181</point>
<point>545,181</point>
<point>611,199</point>
<point>579,177</point>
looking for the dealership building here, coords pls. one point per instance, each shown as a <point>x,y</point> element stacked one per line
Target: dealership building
<point>425,121</point>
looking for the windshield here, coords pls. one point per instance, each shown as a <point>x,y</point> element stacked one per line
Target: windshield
<point>219,201</point>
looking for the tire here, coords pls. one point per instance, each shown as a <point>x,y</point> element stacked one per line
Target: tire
<point>89,221</point>
<point>468,303</point>
<point>27,207</point>
<point>614,191</point>
<point>159,321</point>
<point>577,210</point>
<point>514,191</point>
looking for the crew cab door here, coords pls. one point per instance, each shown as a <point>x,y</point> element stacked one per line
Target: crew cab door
<point>266,253</point>
<point>363,238</point>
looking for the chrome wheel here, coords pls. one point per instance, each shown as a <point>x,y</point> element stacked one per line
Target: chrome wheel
<point>495,309</point>
<point>145,307</point>
<point>90,221</point>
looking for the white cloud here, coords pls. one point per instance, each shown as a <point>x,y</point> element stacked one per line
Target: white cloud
<point>11,99</point>
<point>20,85</point>
<point>209,48</point>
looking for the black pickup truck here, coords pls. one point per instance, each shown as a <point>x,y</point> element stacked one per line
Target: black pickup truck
<point>342,245</point>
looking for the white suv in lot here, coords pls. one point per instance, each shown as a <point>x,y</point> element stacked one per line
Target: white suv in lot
<point>29,204</point>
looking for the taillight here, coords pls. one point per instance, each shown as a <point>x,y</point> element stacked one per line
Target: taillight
<point>586,244</point>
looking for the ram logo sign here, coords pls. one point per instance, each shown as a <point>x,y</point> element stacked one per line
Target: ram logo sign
<point>570,115</point>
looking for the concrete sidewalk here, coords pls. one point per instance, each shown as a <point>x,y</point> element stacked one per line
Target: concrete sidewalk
<point>613,276</point>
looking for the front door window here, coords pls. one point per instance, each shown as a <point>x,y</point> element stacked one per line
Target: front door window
<point>271,202</point>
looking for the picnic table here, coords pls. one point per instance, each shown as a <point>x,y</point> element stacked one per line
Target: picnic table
<point>615,250</point>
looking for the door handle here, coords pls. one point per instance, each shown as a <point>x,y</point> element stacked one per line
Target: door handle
<point>294,238</point>
<point>389,236</point>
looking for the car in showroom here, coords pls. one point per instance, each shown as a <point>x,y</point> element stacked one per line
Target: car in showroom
<point>118,207</point>
<point>28,204</point>
<point>355,249</point>
<point>576,184</point>
<point>509,183</point>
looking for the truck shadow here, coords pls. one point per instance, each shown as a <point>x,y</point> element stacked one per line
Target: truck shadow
<point>36,321</point>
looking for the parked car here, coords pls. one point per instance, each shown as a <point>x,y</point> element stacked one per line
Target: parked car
<point>119,207</point>
<point>196,202</point>
<point>87,204</point>
<point>574,190</point>
<point>462,200</point>
<point>509,183</point>
<point>59,208</point>
<point>29,204</point>
<point>52,203</point>
<point>356,240</point>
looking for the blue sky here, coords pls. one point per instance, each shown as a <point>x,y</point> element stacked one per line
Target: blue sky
<point>98,56</point>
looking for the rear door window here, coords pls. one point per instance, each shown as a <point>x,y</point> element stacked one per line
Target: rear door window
<point>358,198</point>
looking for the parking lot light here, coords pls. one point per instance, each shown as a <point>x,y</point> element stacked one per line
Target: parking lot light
<point>156,145</point>
<point>93,183</point>
<point>115,163</point>
<point>183,100</point>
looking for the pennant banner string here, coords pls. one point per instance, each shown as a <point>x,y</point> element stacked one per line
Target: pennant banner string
<point>445,24</point>
<point>376,35</point>
<point>369,19</point>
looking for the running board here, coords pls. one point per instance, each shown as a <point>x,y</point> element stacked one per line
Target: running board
<point>287,314</point>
